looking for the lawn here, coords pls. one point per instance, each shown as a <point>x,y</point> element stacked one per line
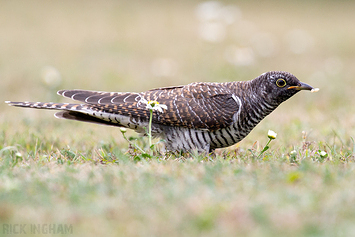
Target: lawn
<point>61,177</point>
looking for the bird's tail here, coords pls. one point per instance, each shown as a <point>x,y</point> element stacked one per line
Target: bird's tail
<point>42,105</point>
<point>78,112</point>
<point>86,113</point>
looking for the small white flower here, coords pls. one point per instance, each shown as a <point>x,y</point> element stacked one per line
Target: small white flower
<point>271,134</point>
<point>154,105</point>
<point>323,154</point>
<point>123,130</point>
<point>293,153</point>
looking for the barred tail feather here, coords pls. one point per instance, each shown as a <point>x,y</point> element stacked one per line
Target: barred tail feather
<point>69,111</point>
<point>84,113</point>
<point>42,105</point>
<point>78,116</point>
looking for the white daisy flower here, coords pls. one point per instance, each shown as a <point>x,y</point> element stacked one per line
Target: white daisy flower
<point>154,105</point>
<point>271,134</point>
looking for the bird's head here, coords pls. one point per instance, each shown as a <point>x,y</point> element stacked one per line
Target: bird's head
<point>279,86</point>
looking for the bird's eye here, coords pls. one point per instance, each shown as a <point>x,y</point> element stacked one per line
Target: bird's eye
<point>281,82</point>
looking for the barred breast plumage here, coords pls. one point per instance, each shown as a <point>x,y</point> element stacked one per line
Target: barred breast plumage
<point>199,116</point>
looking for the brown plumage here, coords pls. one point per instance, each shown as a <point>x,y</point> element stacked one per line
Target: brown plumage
<point>201,116</point>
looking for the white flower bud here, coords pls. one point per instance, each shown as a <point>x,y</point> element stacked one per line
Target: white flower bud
<point>271,134</point>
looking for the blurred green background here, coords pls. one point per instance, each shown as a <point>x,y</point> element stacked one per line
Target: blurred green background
<point>139,45</point>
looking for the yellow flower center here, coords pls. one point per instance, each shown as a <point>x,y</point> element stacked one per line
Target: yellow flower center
<point>153,103</point>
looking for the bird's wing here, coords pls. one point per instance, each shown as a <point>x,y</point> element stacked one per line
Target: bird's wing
<point>198,105</point>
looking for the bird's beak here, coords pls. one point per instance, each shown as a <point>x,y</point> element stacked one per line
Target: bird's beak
<point>302,86</point>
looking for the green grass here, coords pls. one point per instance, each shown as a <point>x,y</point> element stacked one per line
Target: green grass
<point>86,176</point>
<point>100,188</point>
